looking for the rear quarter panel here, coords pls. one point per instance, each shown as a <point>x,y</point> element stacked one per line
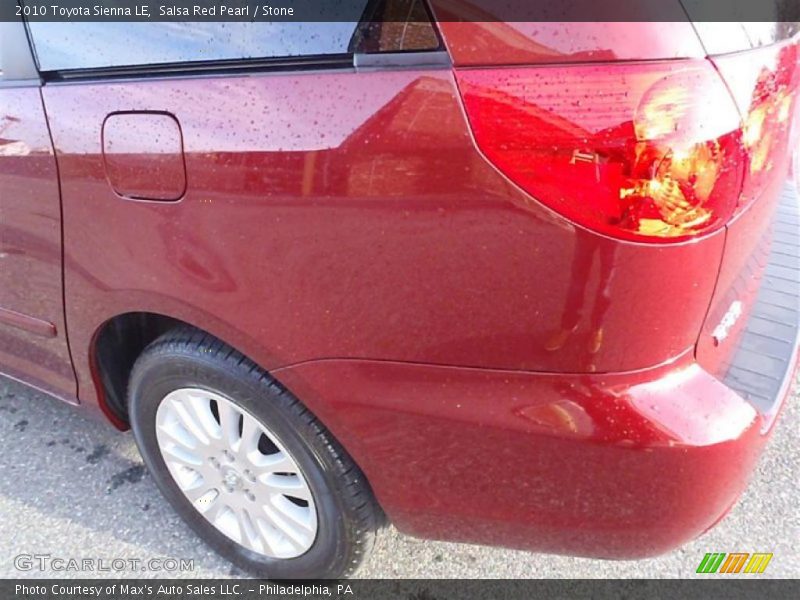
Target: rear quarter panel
<point>349,215</point>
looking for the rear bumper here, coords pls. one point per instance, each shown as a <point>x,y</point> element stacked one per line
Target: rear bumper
<point>622,466</point>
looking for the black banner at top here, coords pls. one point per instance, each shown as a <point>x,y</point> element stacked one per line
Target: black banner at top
<point>444,10</point>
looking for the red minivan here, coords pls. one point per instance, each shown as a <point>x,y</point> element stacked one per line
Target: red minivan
<point>532,284</point>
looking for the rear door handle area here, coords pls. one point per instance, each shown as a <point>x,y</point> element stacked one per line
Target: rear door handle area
<point>143,155</point>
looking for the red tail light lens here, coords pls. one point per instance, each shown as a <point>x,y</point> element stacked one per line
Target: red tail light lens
<point>765,86</point>
<point>648,152</point>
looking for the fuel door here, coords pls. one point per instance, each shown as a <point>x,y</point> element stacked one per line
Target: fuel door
<point>143,155</point>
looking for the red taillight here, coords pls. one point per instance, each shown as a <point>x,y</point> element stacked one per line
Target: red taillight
<point>765,85</point>
<point>645,151</point>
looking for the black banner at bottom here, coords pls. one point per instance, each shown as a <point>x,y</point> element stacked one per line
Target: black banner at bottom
<point>254,589</point>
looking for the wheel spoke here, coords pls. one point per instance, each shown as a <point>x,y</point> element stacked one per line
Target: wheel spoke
<point>300,515</point>
<point>183,456</point>
<point>288,485</point>
<point>199,490</point>
<point>278,462</point>
<point>178,434</point>
<point>248,532</point>
<point>200,407</point>
<point>215,509</point>
<point>190,422</point>
<point>229,422</point>
<point>288,527</point>
<point>270,535</point>
<point>251,432</point>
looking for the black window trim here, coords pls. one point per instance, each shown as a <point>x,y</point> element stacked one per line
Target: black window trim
<point>354,62</point>
<point>201,68</point>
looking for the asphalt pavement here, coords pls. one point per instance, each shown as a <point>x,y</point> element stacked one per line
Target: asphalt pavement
<point>71,487</point>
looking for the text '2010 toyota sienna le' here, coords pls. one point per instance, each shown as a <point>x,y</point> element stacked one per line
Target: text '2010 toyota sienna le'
<point>532,284</point>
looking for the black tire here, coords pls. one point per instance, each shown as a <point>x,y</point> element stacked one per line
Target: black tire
<point>347,514</point>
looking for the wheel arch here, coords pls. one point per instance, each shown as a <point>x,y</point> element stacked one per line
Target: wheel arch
<point>115,342</point>
<point>119,340</point>
<point>115,346</point>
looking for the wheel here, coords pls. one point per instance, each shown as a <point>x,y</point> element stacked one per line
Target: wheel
<point>252,471</point>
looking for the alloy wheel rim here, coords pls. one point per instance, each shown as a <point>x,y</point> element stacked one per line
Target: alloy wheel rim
<point>236,473</point>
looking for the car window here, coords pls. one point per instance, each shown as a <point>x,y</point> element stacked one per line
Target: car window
<point>16,62</point>
<point>86,45</point>
<point>96,45</point>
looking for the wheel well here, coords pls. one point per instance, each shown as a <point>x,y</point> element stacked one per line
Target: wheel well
<point>118,344</point>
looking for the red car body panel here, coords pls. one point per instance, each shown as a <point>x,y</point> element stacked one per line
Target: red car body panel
<point>33,343</point>
<point>343,230</point>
